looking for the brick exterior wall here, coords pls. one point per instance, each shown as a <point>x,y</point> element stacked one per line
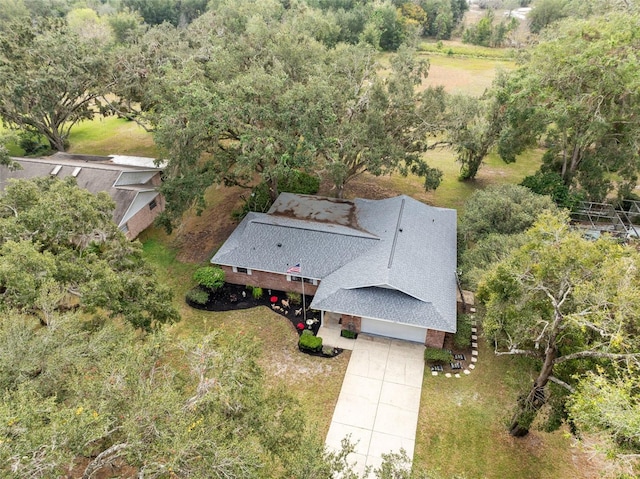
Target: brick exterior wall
<point>353,323</point>
<point>435,339</point>
<point>144,218</point>
<point>267,281</point>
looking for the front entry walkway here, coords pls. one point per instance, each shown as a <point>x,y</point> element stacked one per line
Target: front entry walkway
<point>379,400</point>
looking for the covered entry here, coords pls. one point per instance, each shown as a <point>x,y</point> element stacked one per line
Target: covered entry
<point>392,329</point>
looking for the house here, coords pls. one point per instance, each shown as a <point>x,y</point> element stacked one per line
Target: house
<point>130,181</point>
<point>385,267</point>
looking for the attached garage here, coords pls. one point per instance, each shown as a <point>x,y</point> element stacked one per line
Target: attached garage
<point>395,330</point>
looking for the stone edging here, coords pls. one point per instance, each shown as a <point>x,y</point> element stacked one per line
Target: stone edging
<point>474,349</point>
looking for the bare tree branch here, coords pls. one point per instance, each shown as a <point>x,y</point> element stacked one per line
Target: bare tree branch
<point>104,458</point>
<point>595,354</point>
<point>524,352</point>
<point>560,382</point>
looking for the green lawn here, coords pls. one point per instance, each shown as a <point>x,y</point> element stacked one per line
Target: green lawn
<point>111,135</point>
<point>462,426</point>
<point>463,75</point>
<point>452,193</point>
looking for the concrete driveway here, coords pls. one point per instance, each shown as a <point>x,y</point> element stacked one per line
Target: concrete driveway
<point>379,400</point>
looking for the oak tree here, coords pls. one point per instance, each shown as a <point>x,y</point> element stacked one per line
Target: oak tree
<point>58,241</point>
<point>563,300</point>
<point>578,90</point>
<point>50,79</point>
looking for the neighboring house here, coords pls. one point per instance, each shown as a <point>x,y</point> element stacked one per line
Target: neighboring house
<point>130,181</point>
<point>385,267</point>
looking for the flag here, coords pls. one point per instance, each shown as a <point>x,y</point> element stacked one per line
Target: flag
<point>294,269</point>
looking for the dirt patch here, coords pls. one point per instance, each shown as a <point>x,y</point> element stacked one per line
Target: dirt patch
<point>198,237</point>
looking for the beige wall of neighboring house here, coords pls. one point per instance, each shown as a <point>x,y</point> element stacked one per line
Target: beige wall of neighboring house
<point>144,218</point>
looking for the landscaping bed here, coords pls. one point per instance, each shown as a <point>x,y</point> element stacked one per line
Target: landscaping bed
<point>233,296</point>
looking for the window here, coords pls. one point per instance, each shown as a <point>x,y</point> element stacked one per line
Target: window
<point>237,269</point>
<point>300,279</point>
<point>153,204</point>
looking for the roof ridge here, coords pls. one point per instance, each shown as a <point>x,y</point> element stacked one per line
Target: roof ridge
<point>340,229</point>
<point>395,236</point>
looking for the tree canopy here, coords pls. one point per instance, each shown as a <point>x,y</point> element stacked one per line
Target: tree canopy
<point>570,303</point>
<point>578,90</point>
<point>79,396</point>
<point>262,99</point>
<point>50,79</point>
<point>53,256</point>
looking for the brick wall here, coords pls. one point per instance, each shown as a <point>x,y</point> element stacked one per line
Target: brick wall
<point>144,218</point>
<point>353,323</point>
<point>268,281</point>
<point>435,339</point>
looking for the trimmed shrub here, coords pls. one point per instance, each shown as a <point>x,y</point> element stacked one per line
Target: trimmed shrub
<point>437,355</point>
<point>462,338</point>
<point>197,296</point>
<point>310,342</point>
<point>294,298</point>
<point>347,333</point>
<point>210,277</point>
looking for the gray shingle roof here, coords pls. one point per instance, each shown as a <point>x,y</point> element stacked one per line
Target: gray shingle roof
<point>96,174</point>
<point>392,259</point>
<point>273,244</point>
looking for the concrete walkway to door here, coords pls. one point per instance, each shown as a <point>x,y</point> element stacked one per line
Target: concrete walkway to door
<point>379,400</point>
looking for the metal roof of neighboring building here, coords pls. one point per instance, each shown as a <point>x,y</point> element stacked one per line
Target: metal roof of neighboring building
<point>392,259</point>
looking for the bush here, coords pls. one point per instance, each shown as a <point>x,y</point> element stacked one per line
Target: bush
<point>300,182</point>
<point>436,355</point>
<point>256,292</point>
<point>32,143</point>
<point>210,277</point>
<point>347,333</point>
<point>310,342</point>
<point>462,338</point>
<point>294,298</point>
<point>198,296</point>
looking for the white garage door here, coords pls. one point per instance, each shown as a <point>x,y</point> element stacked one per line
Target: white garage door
<point>394,330</point>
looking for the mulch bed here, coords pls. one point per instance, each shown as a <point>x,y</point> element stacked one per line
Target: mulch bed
<point>233,296</point>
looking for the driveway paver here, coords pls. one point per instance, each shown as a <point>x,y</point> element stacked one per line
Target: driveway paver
<point>379,401</point>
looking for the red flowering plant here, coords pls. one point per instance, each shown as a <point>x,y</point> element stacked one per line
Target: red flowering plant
<point>273,299</point>
<point>300,326</point>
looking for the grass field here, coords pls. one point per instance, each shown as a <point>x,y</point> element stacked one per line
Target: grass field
<point>462,427</point>
<point>463,75</point>
<point>105,136</point>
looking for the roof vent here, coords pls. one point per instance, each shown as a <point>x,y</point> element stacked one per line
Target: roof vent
<point>76,171</point>
<point>56,170</point>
